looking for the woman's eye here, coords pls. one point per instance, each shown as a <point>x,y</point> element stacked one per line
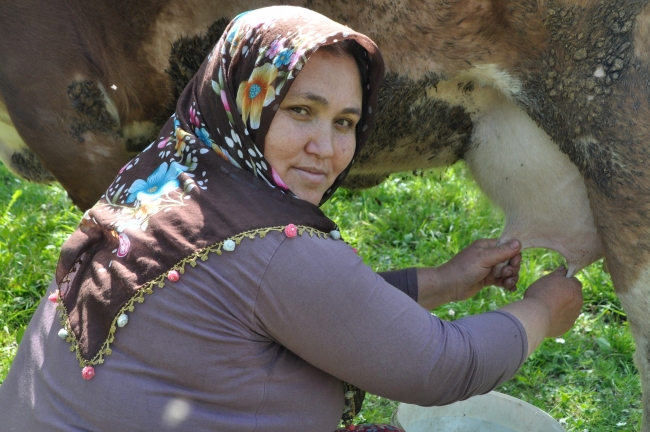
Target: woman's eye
<point>346,123</point>
<point>300,110</point>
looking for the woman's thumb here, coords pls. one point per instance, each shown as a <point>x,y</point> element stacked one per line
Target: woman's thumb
<point>501,254</point>
<point>507,250</point>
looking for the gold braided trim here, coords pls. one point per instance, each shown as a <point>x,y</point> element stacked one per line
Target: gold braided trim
<point>159,281</point>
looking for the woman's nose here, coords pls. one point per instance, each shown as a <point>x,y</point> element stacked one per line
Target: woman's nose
<point>321,142</point>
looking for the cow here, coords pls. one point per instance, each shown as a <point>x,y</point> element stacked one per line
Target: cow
<point>548,102</point>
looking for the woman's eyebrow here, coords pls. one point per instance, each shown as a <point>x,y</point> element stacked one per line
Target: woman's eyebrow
<point>355,111</point>
<point>313,97</point>
<point>321,100</point>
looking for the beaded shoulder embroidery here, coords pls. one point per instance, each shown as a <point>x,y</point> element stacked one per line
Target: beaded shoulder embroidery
<point>171,275</point>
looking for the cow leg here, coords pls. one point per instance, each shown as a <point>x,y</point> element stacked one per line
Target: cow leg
<point>636,303</point>
<point>623,221</point>
<point>629,265</point>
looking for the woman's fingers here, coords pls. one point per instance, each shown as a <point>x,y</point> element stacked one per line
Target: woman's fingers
<point>511,283</point>
<point>501,256</point>
<point>512,267</point>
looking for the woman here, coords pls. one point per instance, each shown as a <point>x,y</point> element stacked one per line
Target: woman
<point>262,318</point>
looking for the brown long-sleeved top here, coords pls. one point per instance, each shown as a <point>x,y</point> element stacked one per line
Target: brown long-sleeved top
<point>260,339</point>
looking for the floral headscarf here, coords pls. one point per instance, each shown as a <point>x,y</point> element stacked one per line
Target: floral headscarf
<point>250,71</point>
<point>204,185</point>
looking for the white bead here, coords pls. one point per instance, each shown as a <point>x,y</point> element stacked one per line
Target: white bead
<point>63,333</point>
<point>335,234</point>
<point>122,320</point>
<point>229,245</point>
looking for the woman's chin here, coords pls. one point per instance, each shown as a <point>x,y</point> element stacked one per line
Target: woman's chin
<point>312,195</point>
<point>309,196</point>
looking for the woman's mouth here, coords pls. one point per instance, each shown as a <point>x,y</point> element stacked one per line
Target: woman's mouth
<point>311,175</point>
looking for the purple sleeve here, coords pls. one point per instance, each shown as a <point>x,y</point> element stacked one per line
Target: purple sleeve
<point>319,300</point>
<point>405,280</point>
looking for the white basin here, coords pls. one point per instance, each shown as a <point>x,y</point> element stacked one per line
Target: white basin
<point>492,412</point>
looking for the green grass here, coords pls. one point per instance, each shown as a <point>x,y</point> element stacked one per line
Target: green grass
<point>35,220</point>
<point>586,379</point>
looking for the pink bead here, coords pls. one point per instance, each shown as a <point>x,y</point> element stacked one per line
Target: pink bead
<point>355,251</point>
<point>54,296</point>
<point>88,372</point>
<point>291,230</point>
<point>173,275</point>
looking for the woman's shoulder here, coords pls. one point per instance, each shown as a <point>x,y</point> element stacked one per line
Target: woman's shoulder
<point>248,261</point>
<point>314,252</point>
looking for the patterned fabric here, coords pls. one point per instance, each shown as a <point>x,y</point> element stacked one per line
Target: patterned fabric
<point>369,428</point>
<point>251,70</point>
<point>203,182</point>
<point>354,397</point>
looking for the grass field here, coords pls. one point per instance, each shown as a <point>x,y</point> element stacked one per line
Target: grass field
<point>586,379</point>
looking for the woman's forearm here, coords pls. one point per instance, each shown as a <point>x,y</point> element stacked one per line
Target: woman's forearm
<point>433,290</point>
<point>534,317</point>
<point>549,308</point>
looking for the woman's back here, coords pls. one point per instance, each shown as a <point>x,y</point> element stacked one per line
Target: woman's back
<point>190,357</point>
<point>253,340</point>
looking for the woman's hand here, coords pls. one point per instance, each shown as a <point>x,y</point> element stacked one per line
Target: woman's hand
<point>549,308</point>
<point>468,272</point>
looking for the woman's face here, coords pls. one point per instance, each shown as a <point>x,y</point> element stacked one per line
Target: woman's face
<point>312,137</point>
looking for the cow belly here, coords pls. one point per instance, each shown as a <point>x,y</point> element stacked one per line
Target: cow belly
<point>541,192</point>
